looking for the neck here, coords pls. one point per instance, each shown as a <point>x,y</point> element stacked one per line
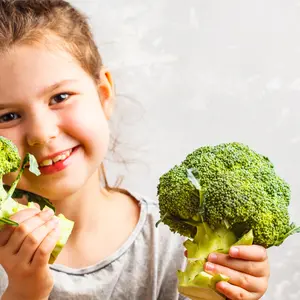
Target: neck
<point>101,218</point>
<point>85,206</point>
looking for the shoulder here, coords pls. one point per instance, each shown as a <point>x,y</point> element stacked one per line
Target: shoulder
<point>167,250</point>
<point>150,212</point>
<point>166,244</point>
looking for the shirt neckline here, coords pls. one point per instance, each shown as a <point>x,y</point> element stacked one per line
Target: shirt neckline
<point>122,249</point>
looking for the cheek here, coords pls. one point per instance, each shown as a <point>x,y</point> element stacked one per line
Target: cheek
<point>9,179</point>
<point>86,123</point>
<point>23,184</point>
<point>16,134</point>
<point>86,111</point>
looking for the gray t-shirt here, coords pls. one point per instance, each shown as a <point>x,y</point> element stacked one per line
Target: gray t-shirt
<point>144,268</point>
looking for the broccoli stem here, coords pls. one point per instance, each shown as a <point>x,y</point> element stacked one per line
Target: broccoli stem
<point>14,185</point>
<point>33,167</point>
<point>209,240</point>
<point>3,192</point>
<point>206,241</point>
<point>195,293</point>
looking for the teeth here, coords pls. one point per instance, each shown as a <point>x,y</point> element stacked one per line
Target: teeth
<point>59,157</point>
<point>49,162</point>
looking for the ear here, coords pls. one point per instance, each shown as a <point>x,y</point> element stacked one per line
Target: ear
<point>107,92</point>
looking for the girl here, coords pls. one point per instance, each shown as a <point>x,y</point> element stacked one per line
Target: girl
<point>56,101</point>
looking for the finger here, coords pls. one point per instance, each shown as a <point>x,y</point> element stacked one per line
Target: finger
<point>5,234</point>
<point>42,254</point>
<point>35,238</point>
<point>25,228</point>
<point>254,268</point>
<point>245,281</point>
<point>24,214</point>
<point>18,217</point>
<point>234,292</point>
<point>37,205</point>
<point>253,252</point>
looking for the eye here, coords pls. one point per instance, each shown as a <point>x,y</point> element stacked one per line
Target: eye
<point>59,98</point>
<point>9,117</point>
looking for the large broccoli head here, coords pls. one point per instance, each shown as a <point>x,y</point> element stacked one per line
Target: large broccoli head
<point>235,187</point>
<point>221,196</point>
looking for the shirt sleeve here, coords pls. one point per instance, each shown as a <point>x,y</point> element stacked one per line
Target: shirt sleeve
<point>171,260</point>
<point>3,281</point>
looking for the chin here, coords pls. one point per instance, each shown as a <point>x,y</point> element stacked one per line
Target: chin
<point>62,190</point>
<point>56,189</point>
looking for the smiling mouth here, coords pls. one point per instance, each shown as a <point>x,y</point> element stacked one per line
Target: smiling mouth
<point>60,157</point>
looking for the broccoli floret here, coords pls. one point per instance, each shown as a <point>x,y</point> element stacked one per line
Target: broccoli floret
<point>220,196</point>
<point>10,161</point>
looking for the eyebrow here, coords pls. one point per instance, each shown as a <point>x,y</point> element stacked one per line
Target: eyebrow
<point>52,87</point>
<point>46,90</point>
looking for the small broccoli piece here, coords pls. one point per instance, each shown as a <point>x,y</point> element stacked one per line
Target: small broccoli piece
<point>66,227</point>
<point>220,196</point>
<point>10,161</point>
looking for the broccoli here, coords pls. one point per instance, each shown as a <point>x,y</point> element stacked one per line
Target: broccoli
<point>10,161</point>
<point>220,196</point>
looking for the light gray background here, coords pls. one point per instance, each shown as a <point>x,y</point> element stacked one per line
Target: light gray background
<point>194,72</point>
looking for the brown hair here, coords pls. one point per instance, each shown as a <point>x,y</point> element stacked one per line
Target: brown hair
<point>32,21</point>
<point>36,21</point>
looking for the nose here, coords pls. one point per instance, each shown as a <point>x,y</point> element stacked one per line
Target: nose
<point>42,128</point>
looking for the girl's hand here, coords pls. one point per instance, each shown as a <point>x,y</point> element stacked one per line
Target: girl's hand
<point>248,270</point>
<point>25,251</point>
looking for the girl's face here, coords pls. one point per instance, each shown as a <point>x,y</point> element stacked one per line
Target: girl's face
<point>50,107</point>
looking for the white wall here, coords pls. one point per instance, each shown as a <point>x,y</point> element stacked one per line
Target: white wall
<point>205,72</point>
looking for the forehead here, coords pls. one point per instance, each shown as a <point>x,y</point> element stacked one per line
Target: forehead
<point>25,70</point>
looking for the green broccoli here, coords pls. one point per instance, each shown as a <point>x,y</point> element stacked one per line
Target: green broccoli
<point>220,196</point>
<point>10,161</point>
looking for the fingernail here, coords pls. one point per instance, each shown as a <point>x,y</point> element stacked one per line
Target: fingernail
<point>209,266</point>
<point>234,251</point>
<point>212,257</point>
<point>222,285</point>
<point>55,220</point>
<point>48,210</point>
<point>57,231</point>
